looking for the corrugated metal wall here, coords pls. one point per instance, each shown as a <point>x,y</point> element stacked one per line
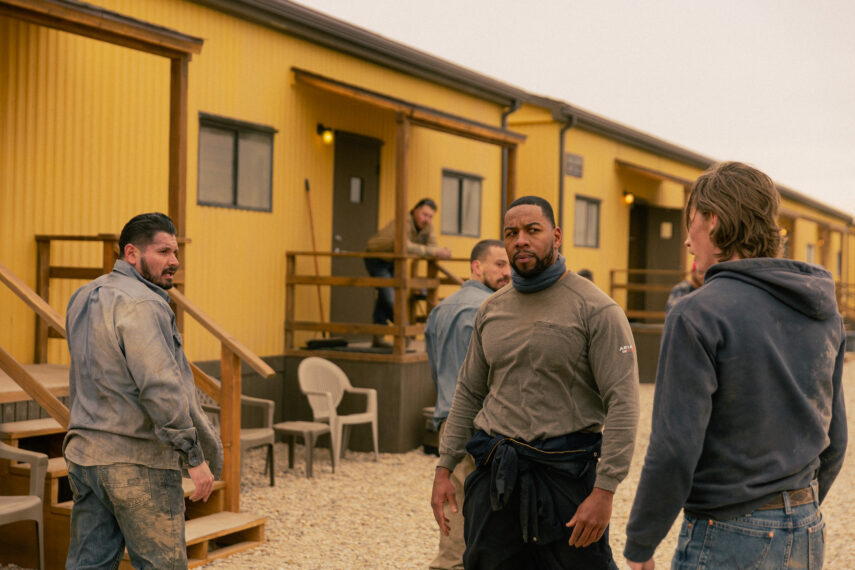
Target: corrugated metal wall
<point>89,124</point>
<point>83,141</point>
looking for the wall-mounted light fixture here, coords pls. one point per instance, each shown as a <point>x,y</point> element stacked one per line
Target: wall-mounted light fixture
<point>628,198</point>
<point>326,133</point>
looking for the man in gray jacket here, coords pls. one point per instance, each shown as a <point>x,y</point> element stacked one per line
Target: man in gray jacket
<point>749,424</point>
<point>447,334</point>
<point>135,417</point>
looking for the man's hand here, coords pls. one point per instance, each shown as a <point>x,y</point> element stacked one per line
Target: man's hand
<point>443,253</point>
<point>649,565</point>
<point>591,518</point>
<point>443,492</point>
<point>204,481</point>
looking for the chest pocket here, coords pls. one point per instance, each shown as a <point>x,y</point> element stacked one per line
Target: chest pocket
<point>552,347</point>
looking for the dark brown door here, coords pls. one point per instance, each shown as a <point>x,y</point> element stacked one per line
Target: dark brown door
<point>356,184</point>
<point>656,242</point>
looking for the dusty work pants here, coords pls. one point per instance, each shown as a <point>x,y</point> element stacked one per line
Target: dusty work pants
<point>451,547</point>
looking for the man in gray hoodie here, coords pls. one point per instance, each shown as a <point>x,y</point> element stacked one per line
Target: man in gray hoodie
<point>749,425</point>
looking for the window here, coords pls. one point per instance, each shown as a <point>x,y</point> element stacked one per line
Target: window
<point>461,204</point>
<point>586,227</point>
<point>235,164</point>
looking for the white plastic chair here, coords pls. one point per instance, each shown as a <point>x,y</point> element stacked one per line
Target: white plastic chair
<point>324,384</point>
<point>14,508</point>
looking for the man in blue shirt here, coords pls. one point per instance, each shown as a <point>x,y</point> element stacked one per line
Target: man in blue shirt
<point>447,334</point>
<point>135,418</point>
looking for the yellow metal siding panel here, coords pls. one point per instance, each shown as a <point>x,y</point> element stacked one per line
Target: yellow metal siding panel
<point>83,140</point>
<point>243,73</point>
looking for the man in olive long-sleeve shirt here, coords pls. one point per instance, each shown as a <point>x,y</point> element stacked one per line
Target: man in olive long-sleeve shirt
<point>551,364</point>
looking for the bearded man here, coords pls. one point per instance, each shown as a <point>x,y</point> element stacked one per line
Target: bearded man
<point>547,405</point>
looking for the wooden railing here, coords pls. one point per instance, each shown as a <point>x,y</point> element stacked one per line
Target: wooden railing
<point>13,368</point>
<point>846,302</point>
<point>638,281</point>
<point>226,392</point>
<point>404,282</point>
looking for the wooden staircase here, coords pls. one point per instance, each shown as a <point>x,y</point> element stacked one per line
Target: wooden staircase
<point>211,532</point>
<point>214,529</point>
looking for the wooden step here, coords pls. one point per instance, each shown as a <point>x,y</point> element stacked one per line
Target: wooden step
<point>56,468</point>
<point>54,377</point>
<point>222,534</point>
<point>13,431</point>
<point>62,509</point>
<point>218,535</point>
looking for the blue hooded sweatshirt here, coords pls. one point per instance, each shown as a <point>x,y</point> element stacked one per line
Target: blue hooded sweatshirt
<point>748,399</point>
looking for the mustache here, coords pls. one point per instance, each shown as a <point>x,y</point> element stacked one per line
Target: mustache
<point>524,252</point>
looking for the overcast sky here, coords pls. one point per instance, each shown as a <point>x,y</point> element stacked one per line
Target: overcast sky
<point>768,82</point>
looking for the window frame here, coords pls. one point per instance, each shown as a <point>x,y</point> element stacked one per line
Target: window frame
<point>237,127</point>
<point>461,178</point>
<point>589,202</point>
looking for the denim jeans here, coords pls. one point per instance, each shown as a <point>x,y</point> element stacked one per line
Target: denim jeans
<point>791,537</point>
<point>384,306</point>
<point>126,505</point>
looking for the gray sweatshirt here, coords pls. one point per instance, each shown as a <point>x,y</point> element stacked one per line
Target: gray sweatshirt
<point>748,398</point>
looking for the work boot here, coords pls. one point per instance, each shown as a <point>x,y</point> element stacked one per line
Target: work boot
<point>379,342</point>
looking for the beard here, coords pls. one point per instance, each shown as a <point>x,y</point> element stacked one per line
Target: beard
<point>154,279</point>
<point>540,263</point>
<point>496,284</point>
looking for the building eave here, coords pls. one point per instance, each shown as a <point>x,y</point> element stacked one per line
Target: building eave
<point>318,28</point>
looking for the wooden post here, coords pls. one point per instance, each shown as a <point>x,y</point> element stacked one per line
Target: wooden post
<point>178,158</point>
<point>109,247</point>
<point>43,290</point>
<point>401,213</point>
<point>230,425</point>
<point>433,292</point>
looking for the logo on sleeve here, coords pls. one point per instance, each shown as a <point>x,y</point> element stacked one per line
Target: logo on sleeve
<point>627,348</point>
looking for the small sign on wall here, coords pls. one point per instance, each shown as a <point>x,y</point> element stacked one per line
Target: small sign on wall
<point>573,164</point>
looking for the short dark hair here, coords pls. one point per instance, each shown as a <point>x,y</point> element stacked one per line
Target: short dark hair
<point>746,203</point>
<point>545,206</point>
<point>141,228</point>
<point>425,202</point>
<point>481,248</point>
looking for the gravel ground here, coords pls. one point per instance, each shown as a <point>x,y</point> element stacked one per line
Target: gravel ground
<point>377,515</point>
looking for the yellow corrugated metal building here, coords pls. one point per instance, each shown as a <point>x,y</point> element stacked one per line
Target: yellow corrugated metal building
<point>84,145</point>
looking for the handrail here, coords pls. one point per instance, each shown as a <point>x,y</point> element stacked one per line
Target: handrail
<point>224,337</point>
<point>225,392</point>
<point>36,303</point>
<point>449,274</point>
<point>403,282</point>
